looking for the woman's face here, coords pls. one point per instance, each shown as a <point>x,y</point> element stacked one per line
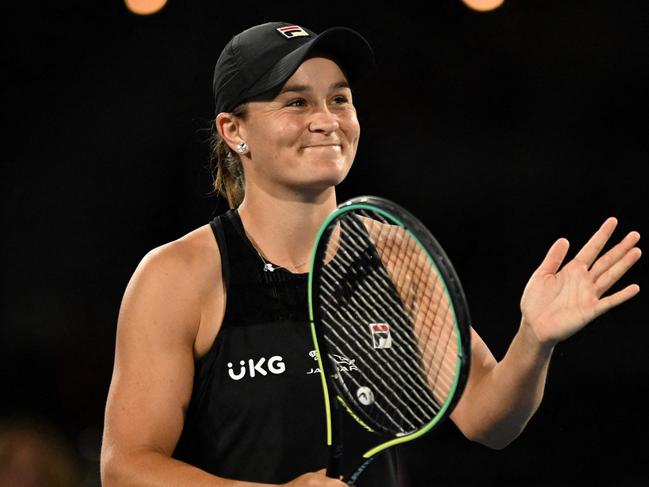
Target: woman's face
<point>305,139</point>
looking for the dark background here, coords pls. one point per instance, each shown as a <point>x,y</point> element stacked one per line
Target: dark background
<point>502,131</point>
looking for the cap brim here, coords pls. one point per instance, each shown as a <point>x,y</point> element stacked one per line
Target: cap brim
<point>349,49</point>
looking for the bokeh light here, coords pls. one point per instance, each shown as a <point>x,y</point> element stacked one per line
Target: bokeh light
<point>145,7</point>
<point>483,5</point>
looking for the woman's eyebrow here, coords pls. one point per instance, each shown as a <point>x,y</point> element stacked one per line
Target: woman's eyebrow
<point>303,88</point>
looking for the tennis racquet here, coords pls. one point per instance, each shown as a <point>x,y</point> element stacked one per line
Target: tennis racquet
<point>384,297</point>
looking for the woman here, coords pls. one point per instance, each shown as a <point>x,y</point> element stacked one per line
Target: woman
<point>214,380</point>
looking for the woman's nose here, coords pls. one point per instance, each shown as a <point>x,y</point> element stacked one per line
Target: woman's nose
<point>323,120</point>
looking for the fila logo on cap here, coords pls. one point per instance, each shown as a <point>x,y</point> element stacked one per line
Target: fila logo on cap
<point>291,31</point>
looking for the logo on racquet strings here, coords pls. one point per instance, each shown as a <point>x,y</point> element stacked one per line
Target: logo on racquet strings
<point>381,335</point>
<point>365,395</point>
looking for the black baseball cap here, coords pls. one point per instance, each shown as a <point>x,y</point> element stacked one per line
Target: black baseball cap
<point>259,60</point>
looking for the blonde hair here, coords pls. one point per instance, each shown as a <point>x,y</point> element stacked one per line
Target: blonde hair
<point>227,170</point>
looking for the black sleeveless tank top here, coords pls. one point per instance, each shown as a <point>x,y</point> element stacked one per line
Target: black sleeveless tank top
<point>257,408</point>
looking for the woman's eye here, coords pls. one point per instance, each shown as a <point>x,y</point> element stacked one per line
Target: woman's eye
<point>341,99</point>
<point>298,102</point>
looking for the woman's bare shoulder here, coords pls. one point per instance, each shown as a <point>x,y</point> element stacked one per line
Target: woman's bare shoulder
<point>194,256</point>
<point>179,283</point>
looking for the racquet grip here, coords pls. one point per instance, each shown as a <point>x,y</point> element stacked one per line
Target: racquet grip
<point>335,459</point>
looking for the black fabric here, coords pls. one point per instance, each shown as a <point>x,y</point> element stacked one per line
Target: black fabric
<point>257,407</point>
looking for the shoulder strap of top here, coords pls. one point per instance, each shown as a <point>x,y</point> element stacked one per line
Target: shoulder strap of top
<point>217,228</point>
<point>235,220</point>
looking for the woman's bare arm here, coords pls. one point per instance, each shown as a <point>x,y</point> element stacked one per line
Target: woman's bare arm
<point>161,316</point>
<point>153,373</point>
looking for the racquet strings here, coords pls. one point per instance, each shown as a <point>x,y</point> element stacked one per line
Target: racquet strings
<point>388,323</point>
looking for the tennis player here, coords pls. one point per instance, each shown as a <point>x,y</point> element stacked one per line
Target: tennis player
<point>215,380</point>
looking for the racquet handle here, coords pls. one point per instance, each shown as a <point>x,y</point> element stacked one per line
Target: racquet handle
<point>333,470</point>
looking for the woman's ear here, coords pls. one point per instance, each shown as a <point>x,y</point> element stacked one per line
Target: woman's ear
<point>229,128</point>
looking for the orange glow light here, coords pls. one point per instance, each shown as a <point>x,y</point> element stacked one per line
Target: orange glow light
<point>483,5</point>
<point>145,7</point>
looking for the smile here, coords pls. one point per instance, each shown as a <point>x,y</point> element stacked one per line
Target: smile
<point>323,146</point>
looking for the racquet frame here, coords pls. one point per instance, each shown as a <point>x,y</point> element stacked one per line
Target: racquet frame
<point>442,265</point>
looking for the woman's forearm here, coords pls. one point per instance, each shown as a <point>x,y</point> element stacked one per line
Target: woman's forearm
<point>154,469</point>
<point>502,401</point>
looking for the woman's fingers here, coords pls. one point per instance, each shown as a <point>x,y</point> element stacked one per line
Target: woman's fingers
<point>605,304</point>
<point>554,258</point>
<point>594,246</point>
<point>610,258</point>
<point>613,274</point>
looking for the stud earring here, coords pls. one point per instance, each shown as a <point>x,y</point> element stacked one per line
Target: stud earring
<point>242,148</point>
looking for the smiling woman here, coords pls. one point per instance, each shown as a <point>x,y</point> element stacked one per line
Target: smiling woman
<point>231,397</point>
<point>213,381</point>
<point>349,56</point>
<point>301,142</point>
<point>294,102</point>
